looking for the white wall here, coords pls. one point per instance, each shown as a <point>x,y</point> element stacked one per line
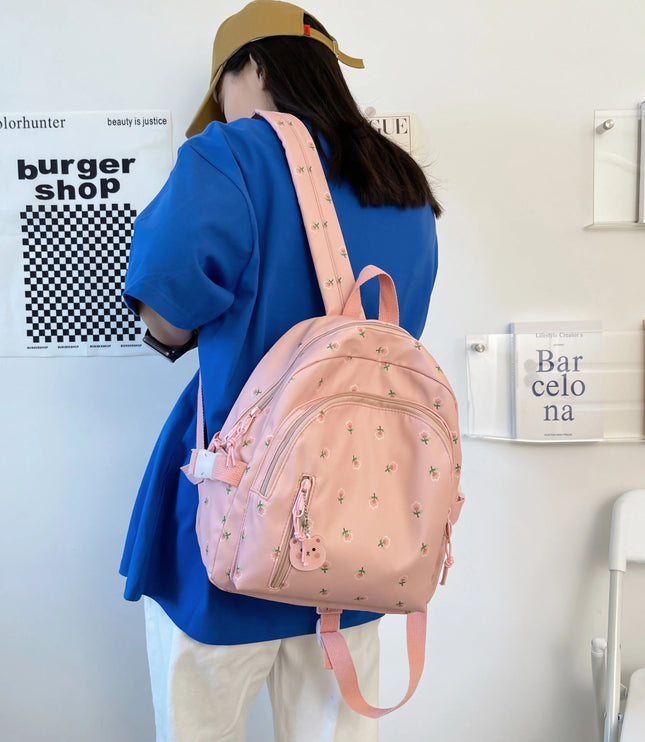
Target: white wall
<point>505,93</point>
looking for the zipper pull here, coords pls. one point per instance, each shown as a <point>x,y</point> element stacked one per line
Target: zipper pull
<point>299,513</point>
<point>449,561</point>
<point>216,443</point>
<point>307,552</point>
<point>232,439</point>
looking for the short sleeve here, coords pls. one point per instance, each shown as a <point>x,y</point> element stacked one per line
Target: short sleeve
<point>192,243</point>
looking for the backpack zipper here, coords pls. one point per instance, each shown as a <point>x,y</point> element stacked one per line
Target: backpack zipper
<point>262,403</point>
<point>437,422</point>
<point>299,528</point>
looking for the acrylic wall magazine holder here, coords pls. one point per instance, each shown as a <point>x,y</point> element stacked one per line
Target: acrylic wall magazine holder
<point>608,391</point>
<point>619,169</point>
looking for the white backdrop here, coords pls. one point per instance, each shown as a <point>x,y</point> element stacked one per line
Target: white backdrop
<point>505,94</point>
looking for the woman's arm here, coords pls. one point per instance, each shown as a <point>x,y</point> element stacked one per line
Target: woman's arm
<point>161,329</point>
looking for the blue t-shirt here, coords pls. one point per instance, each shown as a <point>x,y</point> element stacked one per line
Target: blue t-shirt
<point>223,248</point>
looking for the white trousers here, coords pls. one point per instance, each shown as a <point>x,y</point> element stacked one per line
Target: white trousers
<point>203,692</point>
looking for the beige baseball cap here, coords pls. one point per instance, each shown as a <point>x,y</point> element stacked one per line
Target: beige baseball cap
<point>257,20</point>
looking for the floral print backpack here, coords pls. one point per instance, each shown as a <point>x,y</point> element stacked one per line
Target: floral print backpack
<point>334,481</point>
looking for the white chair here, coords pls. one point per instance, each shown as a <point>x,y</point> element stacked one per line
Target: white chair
<point>626,544</point>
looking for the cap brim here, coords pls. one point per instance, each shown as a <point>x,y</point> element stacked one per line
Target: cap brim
<point>207,112</point>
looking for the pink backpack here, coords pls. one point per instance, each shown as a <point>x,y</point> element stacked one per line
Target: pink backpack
<point>334,481</point>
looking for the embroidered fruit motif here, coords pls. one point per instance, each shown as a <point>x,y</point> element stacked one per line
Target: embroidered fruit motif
<point>349,427</point>
<point>320,417</point>
<point>391,467</point>
<point>356,462</point>
<point>424,437</point>
<point>373,500</point>
<point>384,542</point>
<point>416,509</point>
<point>275,554</point>
<point>324,454</point>
<point>361,331</point>
<point>248,442</point>
<point>347,535</point>
<point>325,567</point>
<point>354,388</point>
<point>434,473</point>
<point>437,403</point>
<point>360,573</point>
<point>341,496</point>
<point>334,345</point>
<point>382,350</point>
<point>261,507</point>
<point>403,580</point>
<point>323,591</point>
<point>379,432</point>
<point>424,550</point>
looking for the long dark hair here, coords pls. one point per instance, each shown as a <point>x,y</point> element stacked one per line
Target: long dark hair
<point>304,79</point>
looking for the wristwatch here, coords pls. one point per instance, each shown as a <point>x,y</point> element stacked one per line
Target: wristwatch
<point>172,354</point>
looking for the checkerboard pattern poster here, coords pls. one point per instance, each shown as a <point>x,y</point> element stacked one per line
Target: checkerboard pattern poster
<point>71,185</point>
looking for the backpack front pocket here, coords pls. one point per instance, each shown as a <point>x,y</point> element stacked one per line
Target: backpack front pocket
<point>379,510</point>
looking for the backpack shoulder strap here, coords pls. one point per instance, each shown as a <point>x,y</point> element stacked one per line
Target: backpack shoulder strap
<point>331,261</point>
<point>338,658</point>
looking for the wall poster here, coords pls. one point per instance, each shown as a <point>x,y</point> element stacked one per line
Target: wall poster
<point>72,185</point>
